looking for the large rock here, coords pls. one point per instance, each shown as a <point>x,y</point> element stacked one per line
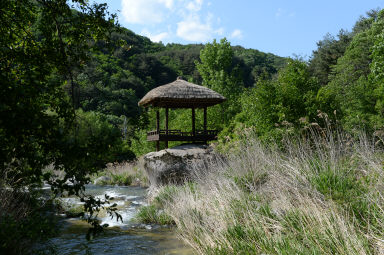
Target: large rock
<point>176,164</point>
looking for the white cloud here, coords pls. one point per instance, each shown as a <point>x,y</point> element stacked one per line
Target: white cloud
<point>237,34</point>
<point>191,29</point>
<point>145,11</point>
<point>195,5</point>
<point>168,3</point>
<point>155,37</point>
<point>185,13</point>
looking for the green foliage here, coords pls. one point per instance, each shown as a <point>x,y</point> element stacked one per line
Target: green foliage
<point>118,179</point>
<point>254,64</point>
<point>43,44</point>
<point>90,144</point>
<point>377,72</point>
<point>166,194</point>
<point>37,117</point>
<point>139,144</point>
<point>250,181</point>
<point>283,103</point>
<point>328,51</point>
<point>218,73</point>
<point>295,235</point>
<point>24,220</point>
<point>348,187</point>
<point>152,215</point>
<point>353,90</point>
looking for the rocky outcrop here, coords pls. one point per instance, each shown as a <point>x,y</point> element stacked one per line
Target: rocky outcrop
<point>176,164</point>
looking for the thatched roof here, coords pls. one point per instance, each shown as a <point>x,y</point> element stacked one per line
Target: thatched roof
<point>181,94</point>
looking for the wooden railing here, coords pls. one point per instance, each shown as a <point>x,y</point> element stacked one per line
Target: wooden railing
<point>181,133</point>
<point>178,135</point>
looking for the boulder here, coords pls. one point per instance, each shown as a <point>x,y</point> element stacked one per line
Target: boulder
<point>176,164</point>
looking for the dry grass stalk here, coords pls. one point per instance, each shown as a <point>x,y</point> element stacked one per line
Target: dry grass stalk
<point>279,195</point>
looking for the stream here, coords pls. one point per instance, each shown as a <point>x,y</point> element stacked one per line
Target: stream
<point>127,237</point>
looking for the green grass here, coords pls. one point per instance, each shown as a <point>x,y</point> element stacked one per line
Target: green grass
<point>123,174</point>
<point>152,215</point>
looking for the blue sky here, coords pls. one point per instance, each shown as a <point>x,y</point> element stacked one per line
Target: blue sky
<point>282,27</point>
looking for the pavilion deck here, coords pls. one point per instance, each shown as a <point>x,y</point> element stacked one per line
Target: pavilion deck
<point>181,94</point>
<point>178,135</point>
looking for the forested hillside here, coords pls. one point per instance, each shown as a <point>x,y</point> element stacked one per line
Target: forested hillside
<point>269,94</point>
<point>113,80</point>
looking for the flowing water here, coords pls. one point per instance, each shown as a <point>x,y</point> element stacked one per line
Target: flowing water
<point>119,238</point>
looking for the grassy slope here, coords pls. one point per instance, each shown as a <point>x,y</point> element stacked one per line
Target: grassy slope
<point>324,196</point>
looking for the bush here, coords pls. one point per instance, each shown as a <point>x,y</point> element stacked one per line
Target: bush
<point>24,220</point>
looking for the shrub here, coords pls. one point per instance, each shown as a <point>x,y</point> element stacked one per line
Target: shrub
<point>24,220</point>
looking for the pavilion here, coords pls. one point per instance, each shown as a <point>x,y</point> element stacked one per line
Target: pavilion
<point>181,94</point>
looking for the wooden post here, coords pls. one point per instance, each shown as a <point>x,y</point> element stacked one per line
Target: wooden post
<point>158,129</point>
<point>157,145</point>
<point>205,123</point>
<point>205,120</point>
<point>158,121</point>
<point>166,126</point>
<point>193,122</point>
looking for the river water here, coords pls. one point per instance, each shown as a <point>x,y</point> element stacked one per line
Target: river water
<point>127,237</point>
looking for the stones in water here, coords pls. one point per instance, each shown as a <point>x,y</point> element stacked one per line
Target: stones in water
<point>176,164</point>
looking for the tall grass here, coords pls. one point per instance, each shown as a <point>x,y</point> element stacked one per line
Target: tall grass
<point>125,173</point>
<point>322,194</point>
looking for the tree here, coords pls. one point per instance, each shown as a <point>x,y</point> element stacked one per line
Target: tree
<point>327,53</point>
<point>282,102</point>
<point>218,73</point>
<point>42,43</point>
<point>351,91</point>
<point>377,69</point>
<point>217,70</point>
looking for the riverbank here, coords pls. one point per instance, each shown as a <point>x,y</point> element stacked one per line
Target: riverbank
<point>124,174</point>
<point>319,195</point>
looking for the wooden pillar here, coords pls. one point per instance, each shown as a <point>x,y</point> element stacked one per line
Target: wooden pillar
<point>157,145</point>
<point>205,120</point>
<point>166,126</point>
<point>193,122</point>
<point>158,121</point>
<point>158,129</point>
<point>205,124</point>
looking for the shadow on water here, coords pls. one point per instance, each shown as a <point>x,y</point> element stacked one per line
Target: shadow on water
<point>125,237</point>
